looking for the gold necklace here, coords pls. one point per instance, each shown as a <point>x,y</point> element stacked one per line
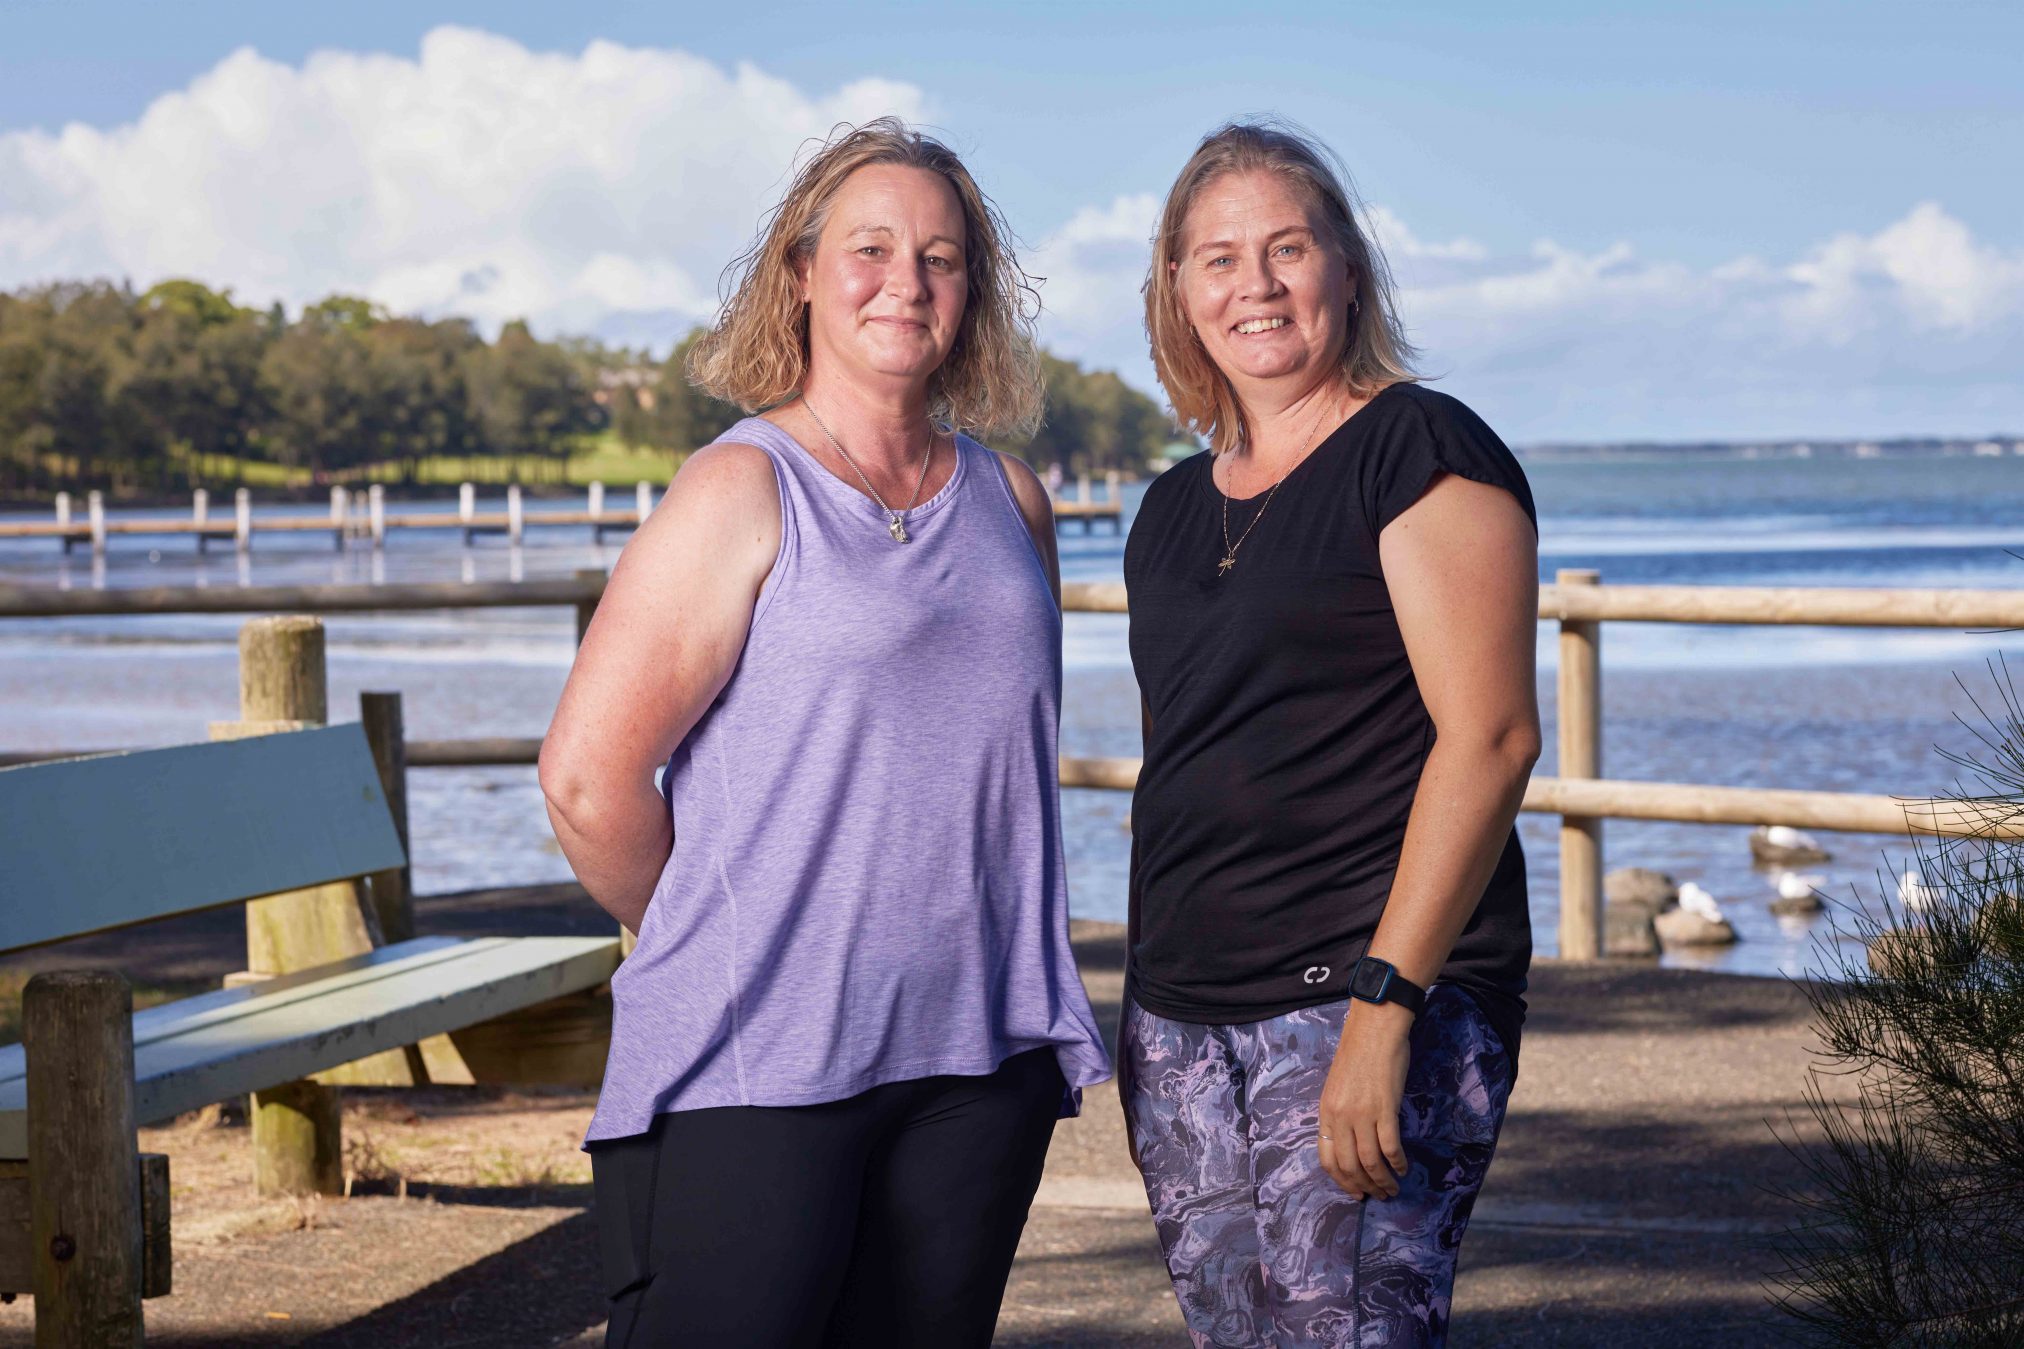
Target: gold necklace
<point>1229,548</point>
<point>895,526</point>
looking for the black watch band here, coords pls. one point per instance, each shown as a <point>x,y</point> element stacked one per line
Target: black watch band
<point>1375,980</point>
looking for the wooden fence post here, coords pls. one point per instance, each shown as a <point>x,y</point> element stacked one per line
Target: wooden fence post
<point>340,502</point>
<point>392,891</point>
<point>586,609</point>
<point>1580,717</point>
<point>296,1137</point>
<point>84,1193</point>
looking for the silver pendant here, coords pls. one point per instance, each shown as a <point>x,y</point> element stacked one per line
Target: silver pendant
<point>898,530</point>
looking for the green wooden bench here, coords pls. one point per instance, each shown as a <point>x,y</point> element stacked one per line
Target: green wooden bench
<point>91,845</point>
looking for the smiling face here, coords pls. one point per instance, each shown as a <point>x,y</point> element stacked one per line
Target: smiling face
<point>886,284</point>
<point>1263,283</point>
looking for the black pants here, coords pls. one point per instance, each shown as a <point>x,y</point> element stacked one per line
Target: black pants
<point>886,1219</point>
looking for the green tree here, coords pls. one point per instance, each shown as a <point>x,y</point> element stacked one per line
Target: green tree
<point>416,378</point>
<point>319,383</point>
<point>1095,421</point>
<point>529,399</point>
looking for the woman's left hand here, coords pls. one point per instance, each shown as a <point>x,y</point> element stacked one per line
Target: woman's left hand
<point>1359,1144</point>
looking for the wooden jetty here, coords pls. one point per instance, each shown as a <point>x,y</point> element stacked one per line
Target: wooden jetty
<point>366,516</point>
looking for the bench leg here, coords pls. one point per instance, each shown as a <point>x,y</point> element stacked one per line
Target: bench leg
<point>298,1142</point>
<point>84,1192</point>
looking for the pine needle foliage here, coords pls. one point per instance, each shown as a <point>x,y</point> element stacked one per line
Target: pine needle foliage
<point>1912,1232</point>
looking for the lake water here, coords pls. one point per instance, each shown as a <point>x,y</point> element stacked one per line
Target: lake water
<point>1826,709</point>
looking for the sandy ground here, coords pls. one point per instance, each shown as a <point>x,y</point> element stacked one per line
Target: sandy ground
<point>1630,1203</point>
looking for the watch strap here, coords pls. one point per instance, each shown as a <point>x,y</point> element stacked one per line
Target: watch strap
<point>1393,987</point>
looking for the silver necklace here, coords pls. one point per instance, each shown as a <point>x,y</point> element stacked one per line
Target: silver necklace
<point>1229,548</point>
<point>895,526</point>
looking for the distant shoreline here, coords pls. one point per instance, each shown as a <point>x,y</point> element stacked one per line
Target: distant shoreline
<point>1902,447</point>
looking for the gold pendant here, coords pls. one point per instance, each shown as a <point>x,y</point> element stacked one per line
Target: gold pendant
<point>898,530</point>
<point>1226,564</point>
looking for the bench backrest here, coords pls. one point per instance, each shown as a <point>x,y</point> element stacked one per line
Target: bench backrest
<point>107,842</point>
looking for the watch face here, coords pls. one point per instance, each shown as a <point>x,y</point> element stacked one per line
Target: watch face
<point>1369,978</point>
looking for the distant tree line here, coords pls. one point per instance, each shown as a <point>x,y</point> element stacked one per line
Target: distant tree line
<point>177,386</point>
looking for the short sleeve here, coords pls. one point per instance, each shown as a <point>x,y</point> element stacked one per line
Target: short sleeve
<point>1430,434</point>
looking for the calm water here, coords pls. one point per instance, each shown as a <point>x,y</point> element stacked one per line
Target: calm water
<point>1828,709</point>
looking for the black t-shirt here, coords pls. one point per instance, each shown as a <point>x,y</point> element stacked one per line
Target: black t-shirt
<point>1288,733</point>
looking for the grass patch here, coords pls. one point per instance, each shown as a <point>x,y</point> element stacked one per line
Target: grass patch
<point>600,458</point>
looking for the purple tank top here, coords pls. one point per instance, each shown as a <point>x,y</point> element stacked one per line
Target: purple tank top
<point>867,881</point>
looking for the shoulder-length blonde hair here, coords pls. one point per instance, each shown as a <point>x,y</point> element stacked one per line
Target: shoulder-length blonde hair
<point>757,353</point>
<point>1376,352</point>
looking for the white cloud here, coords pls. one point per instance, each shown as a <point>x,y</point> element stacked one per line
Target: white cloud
<point>1915,328</point>
<point>479,178</point>
<point>1094,266</point>
<point>603,191</point>
<point>1400,243</point>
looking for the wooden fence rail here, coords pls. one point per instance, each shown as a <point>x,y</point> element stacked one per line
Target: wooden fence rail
<point>1577,602</point>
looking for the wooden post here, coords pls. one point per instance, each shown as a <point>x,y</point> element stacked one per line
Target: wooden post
<point>586,609</point>
<point>1580,715</point>
<point>84,1192</point>
<point>298,1139</point>
<point>282,686</point>
<point>376,506</point>
<point>63,517</point>
<point>95,504</point>
<point>242,520</point>
<point>200,515</point>
<point>392,896</point>
<point>281,673</point>
<point>516,518</point>
<point>467,507</point>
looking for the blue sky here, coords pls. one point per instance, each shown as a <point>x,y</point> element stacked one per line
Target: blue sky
<point>1662,221</point>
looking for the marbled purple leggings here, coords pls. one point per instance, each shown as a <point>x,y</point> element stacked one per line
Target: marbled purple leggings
<point>1263,1247</point>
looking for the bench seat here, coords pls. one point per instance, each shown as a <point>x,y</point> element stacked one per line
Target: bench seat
<point>190,1053</point>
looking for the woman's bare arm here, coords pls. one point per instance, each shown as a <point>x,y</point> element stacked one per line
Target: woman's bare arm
<point>666,637</point>
<point>1038,510</point>
<point>1462,567</point>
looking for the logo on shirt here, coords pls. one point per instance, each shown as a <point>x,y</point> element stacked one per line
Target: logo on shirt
<point>1316,974</point>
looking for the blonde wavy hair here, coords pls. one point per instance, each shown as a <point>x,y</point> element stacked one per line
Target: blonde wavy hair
<point>756,355</point>
<point>1376,352</point>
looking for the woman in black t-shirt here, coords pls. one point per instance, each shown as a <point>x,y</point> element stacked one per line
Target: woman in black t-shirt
<point>1332,623</point>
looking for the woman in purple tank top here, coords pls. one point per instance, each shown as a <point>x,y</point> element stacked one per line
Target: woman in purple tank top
<point>852,1016</point>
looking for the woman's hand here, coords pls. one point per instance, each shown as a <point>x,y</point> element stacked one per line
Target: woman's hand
<point>1360,1145</point>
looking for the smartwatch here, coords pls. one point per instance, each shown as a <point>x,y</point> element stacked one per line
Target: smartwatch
<point>1375,980</point>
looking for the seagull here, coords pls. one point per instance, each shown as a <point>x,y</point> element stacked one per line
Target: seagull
<point>1785,836</point>
<point>1792,885</point>
<point>1696,900</point>
<point>1915,894</point>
